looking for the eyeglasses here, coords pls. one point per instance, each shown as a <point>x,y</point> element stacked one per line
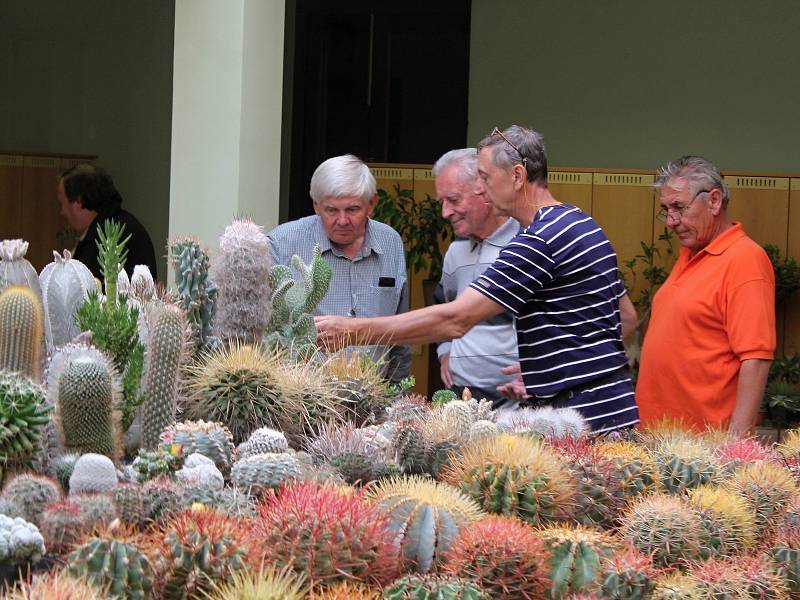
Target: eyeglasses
<point>496,131</point>
<point>677,212</point>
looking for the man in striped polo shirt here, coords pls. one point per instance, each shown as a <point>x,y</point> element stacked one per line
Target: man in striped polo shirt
<point>558,277</point>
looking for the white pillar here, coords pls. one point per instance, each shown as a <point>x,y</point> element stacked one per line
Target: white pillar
<point>226,115</point>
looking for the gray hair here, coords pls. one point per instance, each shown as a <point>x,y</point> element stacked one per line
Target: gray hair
<point>527,144</point>
<point>699,173</point>
<point>341,177</point>
<point>464,159</point>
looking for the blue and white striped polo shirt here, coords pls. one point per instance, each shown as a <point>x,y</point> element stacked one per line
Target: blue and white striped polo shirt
<point>559,277</point>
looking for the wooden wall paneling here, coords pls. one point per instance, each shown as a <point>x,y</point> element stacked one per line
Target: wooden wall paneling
<point>10,196</point>
<point>41,220</point>
<point>572,188</point>
<point>791,338</point>
<point>622,204</point>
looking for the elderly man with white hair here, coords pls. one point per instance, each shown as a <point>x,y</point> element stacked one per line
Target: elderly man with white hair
<point>367,257</point>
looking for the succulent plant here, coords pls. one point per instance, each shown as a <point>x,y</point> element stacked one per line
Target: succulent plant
<point>22,413</point>
<point>120,568</point>
<point>421,451</point>
<point>264,440</point>
<point>627,575</point>
<point>504,556</point>
<point>514,476</point>
<point>163,461</point>
<point>481,429</point>
<point>212,440</point>
<point>54,585</point>
<point>426,516</point>
<point>737,578</point>
<point>574,559</point>
<point>684,464</point>
<point>129,503</point>
<point>675,586</point>
<point>196,293</point>
<point>442,397</point>
<point>545,421</point>
<point>161,499</point>
<point>242,274</point>
<point>327,533</point>
<point>92,474</point>
<point>767,488</point>
<point>61,526</point>
<point>20,541</point>
<point>738,452</point>
<point>636,471</point>
<point>21,331</point>
<point>15,268</point>
<point>264,584</point>
<point>784,550</point>
<point>97,510</point>
<point>429,587</point>
<point>728,522</point>
<point>260,472</point>
<point>62,467</point>
<point>26,495</point>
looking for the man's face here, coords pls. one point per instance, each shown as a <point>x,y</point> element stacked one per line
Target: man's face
<point>344,219</point>
<point>69,210</point>
<point>464,204</point>
<point>696,226</point>
<point>498,183</point>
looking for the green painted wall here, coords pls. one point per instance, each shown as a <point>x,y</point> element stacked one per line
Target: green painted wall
<point>636,83</point>
<point>94,77</point>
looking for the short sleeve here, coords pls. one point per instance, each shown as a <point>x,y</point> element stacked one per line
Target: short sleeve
<point>523,267</point>
<point>750,319</point>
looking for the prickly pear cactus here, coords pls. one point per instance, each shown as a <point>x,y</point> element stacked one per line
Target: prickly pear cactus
<point>196,294</point>
<point>66,284</point>
<point>21,331</point>
<point>293,304</point>
<point>119,567</point>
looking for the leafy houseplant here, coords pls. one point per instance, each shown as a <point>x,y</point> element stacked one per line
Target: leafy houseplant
<point>787,274</point>
<point>782,396</point>
<point>421,225</point>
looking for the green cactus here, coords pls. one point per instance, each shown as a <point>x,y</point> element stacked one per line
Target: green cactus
<point>165,353</point>
<point>27,495</point>
<point>417,454</point>
<point>212,440</point>
<point>785,554</point>
<point>61,525</point>
<point>21,331</point>
<point>575,553</point>
<point>196,294</point>
<point>264,471</point>
<point>728,521</point>
<point>161,499</point>
<point>22,413</point>
<point>112,254</point>
<point>481,429</point>
<point>442,397</point>
<point>637,472</point>
<point>264,440</point>
<point>414,587</point>
<point>628,575</point>
<point>767,488</point>
<point>120,568</point>
<point>62,468</point>
<point>163,461</point>
<point>129,504</point>
<point>97,510</point>
<point>355,467</point>
<point>292,324</point>
<point>684,464</point>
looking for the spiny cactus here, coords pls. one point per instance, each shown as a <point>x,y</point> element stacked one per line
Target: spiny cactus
<point>292,324</point>
<point>21,331</point>
<point>85,389</point>
<point>200,471</point>
<point>348,450</point>
<point>514,476</point>
<point>93,474</point>
<point>481,429</point>
<point>544,421</point>
<point>327,533</point>
<point>414,587</point>
<point>97,510</point>
<point>266,584</point>
<point>728,521</point>
<point>161,499</point>
<point>129,504</point>
<point>26,496</point>
<point>166,351</point>
<point>684,464</point>
<point>15,268</point>
<point>54,585</point>
<point>264,440</point>
<point>738,578</point>
<point>196,293</point>
<point>784,550</point>
<point>62,467</point>
<point>767,488</point>
<point>427,517</point>
<point>739,452</point>
<point>22,413</point>
<point>112,254</point>
<point>260,472</point>
<point>675,586</point>
<point>242,273</point>
<point>61,525</point>
<point>575,553</point>
<point>505,557</point>
<point>635,469</point>
<point>20,541</point>
<point>627,575</point>
<point>120,568</point>
<point>442,397</point>
<point>164,461</point>
<point>212,440</point>
<point>66,284</point>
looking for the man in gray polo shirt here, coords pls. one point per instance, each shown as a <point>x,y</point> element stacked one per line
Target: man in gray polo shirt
<point>476,359</point>
<point>367,257</point>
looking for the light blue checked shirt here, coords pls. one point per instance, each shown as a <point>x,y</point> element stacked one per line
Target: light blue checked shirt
<point>373,284</point>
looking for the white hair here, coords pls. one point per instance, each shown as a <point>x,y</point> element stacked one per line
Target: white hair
<point>464,159</point>
<point>699,173</point>
<point>342,177</point>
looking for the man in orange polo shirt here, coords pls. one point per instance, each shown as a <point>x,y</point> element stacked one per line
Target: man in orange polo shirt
<point>711,336</point>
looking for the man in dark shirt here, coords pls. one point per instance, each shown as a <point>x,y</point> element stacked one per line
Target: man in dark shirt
<point>88,198</point>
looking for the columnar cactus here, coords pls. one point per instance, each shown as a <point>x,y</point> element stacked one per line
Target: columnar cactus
<point>112,254</point>
<point>212,440</point>
<point>22,413</point>
<point>21,331</point>
<point>66,284</point>
<point>196,294</point>
<point>15,268</point>
<point>242,273</point>
<point>120,568</point>
<point>166,350</point>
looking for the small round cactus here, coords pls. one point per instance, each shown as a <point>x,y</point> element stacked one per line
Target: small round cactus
<point>433,588</point>
<point>265,441</point>
<point>62,526</point>
<point>93,474</point>
<point>27,495</point>
<point>264,471</point>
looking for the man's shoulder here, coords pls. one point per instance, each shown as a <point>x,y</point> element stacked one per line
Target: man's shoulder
<point>292,228</point>
<point>385,235</point>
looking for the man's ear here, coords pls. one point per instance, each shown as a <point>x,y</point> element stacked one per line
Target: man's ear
<point>520,174</point>
<point>715,201</point>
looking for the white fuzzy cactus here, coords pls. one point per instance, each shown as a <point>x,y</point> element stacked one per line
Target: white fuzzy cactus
<point>199,470</point>
<point>14,268</point>
<point>545,420</point>
<point>20,541</point>
<point>92,474</point>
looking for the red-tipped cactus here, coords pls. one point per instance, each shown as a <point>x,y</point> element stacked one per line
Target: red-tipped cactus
<point>61,526</point>
<point>628,575</point>
<point>327,533</point>
<point>505,556</point>
<point>738,452</point>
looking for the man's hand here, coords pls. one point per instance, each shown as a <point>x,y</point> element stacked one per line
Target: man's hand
<point>444,370</point>
<point>333,333</point>
<point>515,389</point>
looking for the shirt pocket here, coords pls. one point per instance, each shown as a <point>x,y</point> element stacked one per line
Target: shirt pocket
<point>383,301</point>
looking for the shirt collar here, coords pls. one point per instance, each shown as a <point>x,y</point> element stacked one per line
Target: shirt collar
<point>370,243</point>
<point>499,235</point>
<point>724,240</point>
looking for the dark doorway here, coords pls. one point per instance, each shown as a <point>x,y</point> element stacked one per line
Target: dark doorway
<point>386,81</point>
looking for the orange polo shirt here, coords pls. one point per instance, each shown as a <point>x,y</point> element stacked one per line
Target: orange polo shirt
<point>715,310</point>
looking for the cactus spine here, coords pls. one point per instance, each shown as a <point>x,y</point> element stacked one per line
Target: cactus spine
<point>21,331</point>
<point>197,294</point>
<point>165,351</point>
<point>119,567</point>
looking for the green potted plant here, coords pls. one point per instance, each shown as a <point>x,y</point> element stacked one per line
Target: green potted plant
<point>782,396</point>
<point>787,274</point>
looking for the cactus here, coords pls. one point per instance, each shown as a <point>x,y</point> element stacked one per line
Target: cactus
<point>66,284</point>
<point>738,578</point>
<point>129,504</point>
<point>481,429</point>
<point>292,324</point>
<point>212,440</point>
<point>21,331</point>
<point>442,397</point>
<point>20,541</point>
<point>112,254</point>
<point>784,550</point>
<point>143,288</point>
<point>15,268</point>
<point>675,586</point>
<point>166,350</point>
<point>196,293</point>
<point>327,533</point>
<point>426,516</point>
<point>345,590</point>
<point>27,495</point>
<point>414,587</point>
<point>161,499</point>
<point>242,273</point>
<point>684,464</point>
<point>164,461</point>
<point>514,476</point>
<point>257,473</point>
<point>664,527</point>
<point>767,488</point>
<point>54,585</point>
<point>264,440</point>
<point>120,568</point>
<point>460,416</point>
<point>348,450</point>
<point>505,557</point>
<point>636,471</point>
<point>62,467</point>
<point>93,474</point>
<point>728,521</point>
<point>574,553</point>
<point>97,510</point>
<point>545,421</point>
<point>419,452</point>
<point>61,526</point>
<point>22,413</point>
<point>739,452</point>
<point>200,471</point>
<point>265,584</point>
<point>85,389</point>
<point>627,575</point>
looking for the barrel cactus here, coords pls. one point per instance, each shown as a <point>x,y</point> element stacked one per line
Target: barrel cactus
<point>627,575</point>
<point>15,268</point>
<point>260,472</point>
<point>55,585</point>
<point>767,488</point>
<point>61,525</point>
<point>784,550</point>
<point>263,440</point>
<point>21,331</point>
<point>414,587</point>
<point>684,464</point>
<point>728,521</point>
<point>23,412</point>
<point>93,474</point>
<point>129,503</point>
<point>196,293</point>
<point>119,567</point>
<point>26,496</point>
<point>634,468</point>
<point>212,440</point>
<point>97,510</point>
<point>20,541</point>
<point>66,284</point>
<point>268,583</point>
